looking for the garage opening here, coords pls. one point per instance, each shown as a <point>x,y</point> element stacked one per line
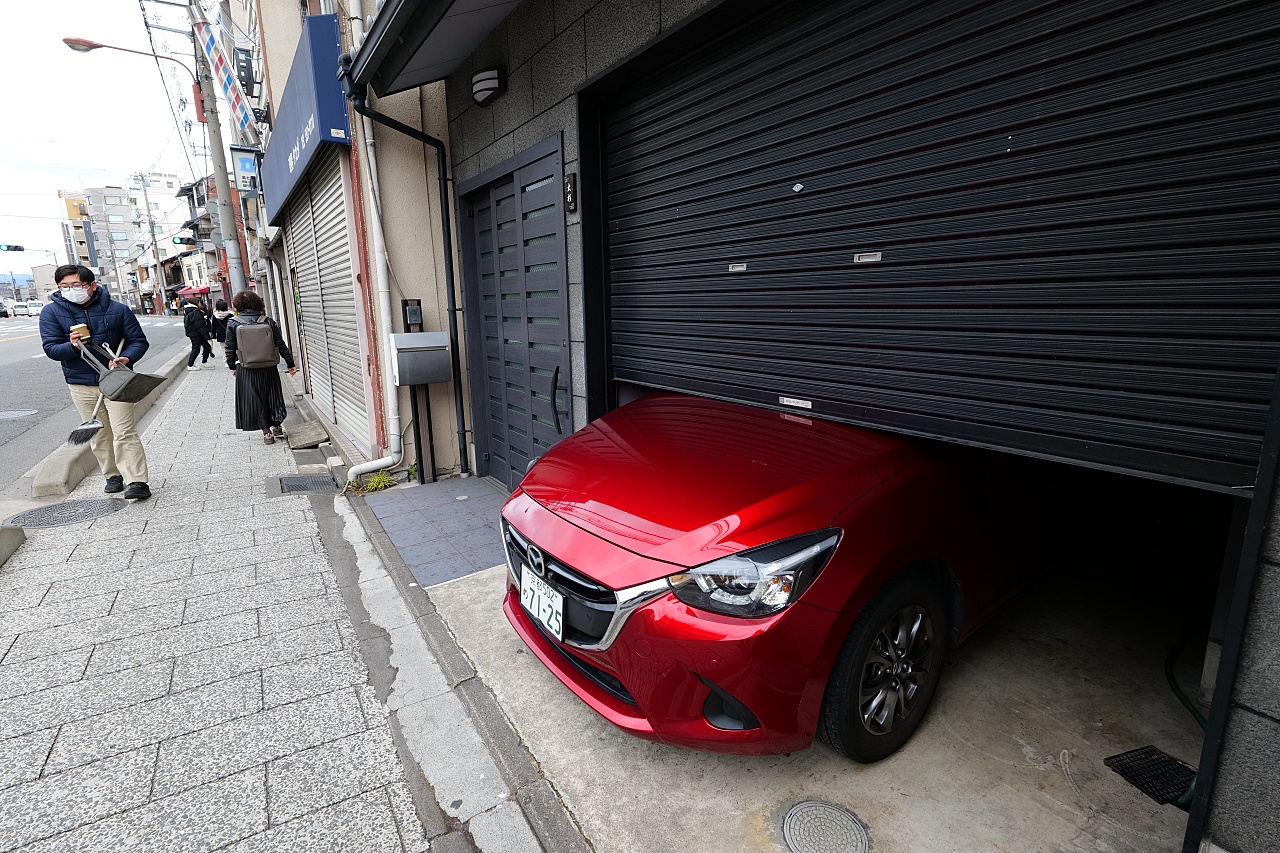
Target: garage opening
<point>1103,653</point>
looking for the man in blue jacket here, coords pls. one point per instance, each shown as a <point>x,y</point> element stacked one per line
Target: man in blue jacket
<point>80,300</point>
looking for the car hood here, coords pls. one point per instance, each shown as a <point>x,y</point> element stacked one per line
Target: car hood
<point>687,480</point>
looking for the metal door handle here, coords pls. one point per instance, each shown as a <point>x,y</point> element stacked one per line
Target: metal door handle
<point>555,404</point>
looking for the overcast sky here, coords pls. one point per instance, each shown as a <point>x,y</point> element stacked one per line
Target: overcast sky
<point>72,120</point>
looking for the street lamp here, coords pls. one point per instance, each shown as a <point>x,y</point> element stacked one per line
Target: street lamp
<point>226,220</point>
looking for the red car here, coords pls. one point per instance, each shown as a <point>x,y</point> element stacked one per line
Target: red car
<point>727,578</point>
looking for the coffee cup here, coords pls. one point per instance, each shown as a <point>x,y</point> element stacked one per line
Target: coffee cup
<point>82,330</point>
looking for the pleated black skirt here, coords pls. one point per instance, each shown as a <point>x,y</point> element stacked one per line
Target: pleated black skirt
<point>259,400</point>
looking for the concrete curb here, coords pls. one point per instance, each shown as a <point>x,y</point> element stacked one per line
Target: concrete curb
<point>10,539</point>
<point>64,468</point>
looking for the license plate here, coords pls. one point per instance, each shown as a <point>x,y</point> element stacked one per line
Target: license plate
<point>543,603</point>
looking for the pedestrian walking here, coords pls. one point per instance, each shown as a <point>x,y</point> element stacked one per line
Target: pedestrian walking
<point>81,310</point>
<point>196,326</point>
<point>259,399</point>
<point>221,316</point>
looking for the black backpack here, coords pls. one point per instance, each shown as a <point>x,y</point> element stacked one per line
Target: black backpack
<point>256,344</point>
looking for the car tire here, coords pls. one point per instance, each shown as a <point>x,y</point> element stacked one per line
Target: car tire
<point>888,669</point>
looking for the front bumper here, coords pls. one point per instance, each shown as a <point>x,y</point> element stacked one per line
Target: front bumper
<point>669,669</point>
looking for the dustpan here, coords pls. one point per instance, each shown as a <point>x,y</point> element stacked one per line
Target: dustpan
<point>120,384</point>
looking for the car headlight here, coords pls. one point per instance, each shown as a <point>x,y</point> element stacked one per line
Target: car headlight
<point>760,581</point>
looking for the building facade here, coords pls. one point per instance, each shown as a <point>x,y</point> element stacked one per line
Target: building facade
<point>1041,232</point>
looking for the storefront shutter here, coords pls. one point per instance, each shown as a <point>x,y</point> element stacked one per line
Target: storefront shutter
<point>1044,227</point>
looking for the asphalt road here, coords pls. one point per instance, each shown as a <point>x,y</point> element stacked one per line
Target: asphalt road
<point>36,413</point>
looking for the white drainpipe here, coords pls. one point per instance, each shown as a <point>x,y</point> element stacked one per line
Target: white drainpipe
<point>382,276</point>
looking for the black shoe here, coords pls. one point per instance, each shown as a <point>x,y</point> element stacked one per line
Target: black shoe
<point>114,484</point>
<point>137,492</point>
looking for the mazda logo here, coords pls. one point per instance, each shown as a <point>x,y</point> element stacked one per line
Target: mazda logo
<point>537,561</point>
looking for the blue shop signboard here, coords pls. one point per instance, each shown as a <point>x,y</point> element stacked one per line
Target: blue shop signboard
<point>312,111</point>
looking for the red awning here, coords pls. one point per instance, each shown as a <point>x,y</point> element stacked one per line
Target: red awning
<point>192,291</point>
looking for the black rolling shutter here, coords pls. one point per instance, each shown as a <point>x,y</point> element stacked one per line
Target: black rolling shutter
<point>1047,227</point>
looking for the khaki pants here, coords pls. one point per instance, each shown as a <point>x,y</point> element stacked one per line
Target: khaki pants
<point>117,446</point>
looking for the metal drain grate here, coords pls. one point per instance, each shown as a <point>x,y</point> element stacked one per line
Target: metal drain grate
<point>67,512</point>
<point>308,483</point>
<point>1154,772</point>
<point>813,827</point>
<point>24,413</point>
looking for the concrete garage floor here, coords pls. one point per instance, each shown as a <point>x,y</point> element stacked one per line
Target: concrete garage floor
<point>1009,759</point>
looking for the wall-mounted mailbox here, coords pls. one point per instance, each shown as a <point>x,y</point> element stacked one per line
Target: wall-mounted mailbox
<point>420,358</point>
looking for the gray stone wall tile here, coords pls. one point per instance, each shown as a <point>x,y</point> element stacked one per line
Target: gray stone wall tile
<point>559,68</point>
<point>363,823</point>
<point>212,753</point>
<point>476,128</point>
<point>499,152</point>
<point>55,706</point>
<point>567,12</point>
<point>82,741</point>
<point>42,673</point>
<point>39,809</point>
<point>256,653</point>
<point>136,577</point>
<point>617,28</point>
<point>560,120</point>
<point>295,614</point>
<point>330,773</point>
<point>1244,814</point>
<point>22,758</point>
<point>530,27</point>
<point>515,106</point>
<point>35,644</point>
<point>175,642</point>
<point>251,556</point>
<point>1258,678</point>
<point>676,11</point>
<point>289,682</point>
<point>204,818</point>
<point>55,613</point>
<point>252,597</point>
<point>413,834</point>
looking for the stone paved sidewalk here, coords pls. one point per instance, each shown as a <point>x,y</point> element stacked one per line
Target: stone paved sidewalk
<point>182,674</point>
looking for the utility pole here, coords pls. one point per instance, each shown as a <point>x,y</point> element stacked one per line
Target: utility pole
<point>157,297</point>
<point>226,217</point>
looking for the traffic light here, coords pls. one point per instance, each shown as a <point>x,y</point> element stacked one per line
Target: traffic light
<point>10,247</point>
<point>184,241</point>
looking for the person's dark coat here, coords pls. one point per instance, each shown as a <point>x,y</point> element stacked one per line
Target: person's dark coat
<point>195,324</point>
<point>219,322</point>
<point>110,322</point>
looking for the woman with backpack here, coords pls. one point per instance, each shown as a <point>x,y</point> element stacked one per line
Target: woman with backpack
<point>196,326</point>
<point>254,346</point>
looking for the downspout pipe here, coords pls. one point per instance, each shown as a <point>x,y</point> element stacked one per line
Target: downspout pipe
<point>391,396</point>
<point>357,95</point>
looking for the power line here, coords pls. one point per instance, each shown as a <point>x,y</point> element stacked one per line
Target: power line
<point>167,96</point>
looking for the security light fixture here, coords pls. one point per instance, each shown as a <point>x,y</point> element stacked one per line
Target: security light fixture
<point>488,84</point>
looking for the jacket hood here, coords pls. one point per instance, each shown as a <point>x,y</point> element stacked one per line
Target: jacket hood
<point>687,480</point>
<point>223,315</point>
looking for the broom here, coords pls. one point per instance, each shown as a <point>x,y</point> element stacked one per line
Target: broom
<point>84,433</point>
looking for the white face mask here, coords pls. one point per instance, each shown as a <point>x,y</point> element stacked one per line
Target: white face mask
<point>78,295</point>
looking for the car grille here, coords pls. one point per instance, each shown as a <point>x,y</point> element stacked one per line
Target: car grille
<point>606,681</point>
<point>589,607</point>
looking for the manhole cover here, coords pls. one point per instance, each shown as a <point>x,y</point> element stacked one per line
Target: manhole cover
<point>67,512</point>
<point>23,413</point>
<point>308,483</point>
<point>823,828</point>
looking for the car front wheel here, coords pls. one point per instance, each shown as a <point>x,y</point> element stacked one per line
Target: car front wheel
<point>887,670</point>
